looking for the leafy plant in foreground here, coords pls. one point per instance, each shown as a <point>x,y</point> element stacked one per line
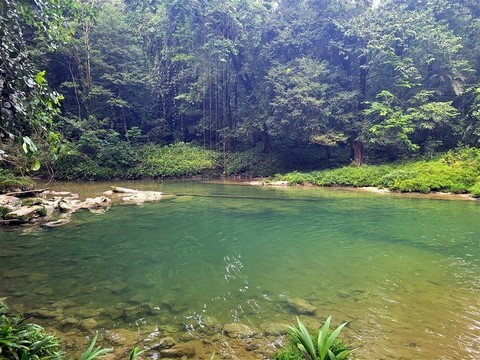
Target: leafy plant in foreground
<point>20,340</point>
<point>326,346</point>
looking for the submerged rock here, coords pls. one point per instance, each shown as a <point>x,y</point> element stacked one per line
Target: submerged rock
<point>180,351</point>
<point>88,325</point>
<point>164,343</point>
<point>274,329</point>
<point>57,223</point>
<point>301,306</point>
<point>46,314</point>
<point>68,323</point>
<point>236,330</point>
<point>121,337</point>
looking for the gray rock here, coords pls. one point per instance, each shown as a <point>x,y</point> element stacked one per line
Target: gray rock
<point>25,213</point>
<point>99,202</point>
<point>65,205</point>
<point>9,201</point>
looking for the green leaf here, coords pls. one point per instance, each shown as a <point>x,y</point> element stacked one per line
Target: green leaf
<point>28,146</point>
<point>35,165</point>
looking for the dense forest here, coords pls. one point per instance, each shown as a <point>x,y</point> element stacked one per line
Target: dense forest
<point>105,88</point>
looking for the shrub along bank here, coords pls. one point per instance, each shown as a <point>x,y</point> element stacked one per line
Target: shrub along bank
<point>456,171</point>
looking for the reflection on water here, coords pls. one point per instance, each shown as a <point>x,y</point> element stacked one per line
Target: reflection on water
<point>403,272</point>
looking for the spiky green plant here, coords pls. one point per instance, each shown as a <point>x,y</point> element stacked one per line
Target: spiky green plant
<point>92,353</point>
<point>325,342</point>
<point>325,347</point>
<point>135,352</point>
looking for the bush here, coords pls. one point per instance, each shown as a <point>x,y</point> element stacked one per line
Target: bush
<point>179,159</point>
<point>252,162</point>
<point>475,190</point>
<point>95,157</point>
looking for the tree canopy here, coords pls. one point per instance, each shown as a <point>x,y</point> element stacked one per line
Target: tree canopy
<point>396,77</point>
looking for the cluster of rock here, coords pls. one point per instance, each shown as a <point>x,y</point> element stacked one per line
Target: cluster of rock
<point>166,341</point>
<point>52,209</point>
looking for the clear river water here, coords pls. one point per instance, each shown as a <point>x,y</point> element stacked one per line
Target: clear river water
<point>404,272</point>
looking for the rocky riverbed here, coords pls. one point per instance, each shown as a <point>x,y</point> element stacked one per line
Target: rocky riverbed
<point>52,208</point>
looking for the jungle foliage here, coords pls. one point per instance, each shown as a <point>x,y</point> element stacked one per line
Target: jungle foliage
<point>88,85</point>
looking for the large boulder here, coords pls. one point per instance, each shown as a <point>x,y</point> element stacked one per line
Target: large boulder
<point>25,214</point>
<point>100,202</point>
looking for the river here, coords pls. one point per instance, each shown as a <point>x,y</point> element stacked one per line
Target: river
<point>403,272</point>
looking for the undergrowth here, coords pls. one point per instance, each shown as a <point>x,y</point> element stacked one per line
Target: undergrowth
<point>10,182</point>
<point>457,172</point>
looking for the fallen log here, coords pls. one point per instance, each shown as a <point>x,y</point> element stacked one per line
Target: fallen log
<point>123,190</point>
<point>26,193</point>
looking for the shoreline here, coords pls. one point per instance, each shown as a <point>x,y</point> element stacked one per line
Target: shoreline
<point>436,195</point>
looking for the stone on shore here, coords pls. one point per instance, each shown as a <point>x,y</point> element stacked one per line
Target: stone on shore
<point>26,213</point>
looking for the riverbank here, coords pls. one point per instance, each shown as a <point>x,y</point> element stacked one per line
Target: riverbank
<point>369,189</point>
<point>452,173</point>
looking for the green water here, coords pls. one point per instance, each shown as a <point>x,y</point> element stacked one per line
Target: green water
<point>404,272</point>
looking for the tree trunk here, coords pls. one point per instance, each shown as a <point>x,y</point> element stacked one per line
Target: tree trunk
<point>357,148</point>
<point>266,140</point>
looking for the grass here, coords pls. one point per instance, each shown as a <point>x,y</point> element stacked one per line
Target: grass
<point>457,172</point>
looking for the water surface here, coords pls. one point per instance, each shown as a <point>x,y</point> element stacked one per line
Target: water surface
<point>403,272</point>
